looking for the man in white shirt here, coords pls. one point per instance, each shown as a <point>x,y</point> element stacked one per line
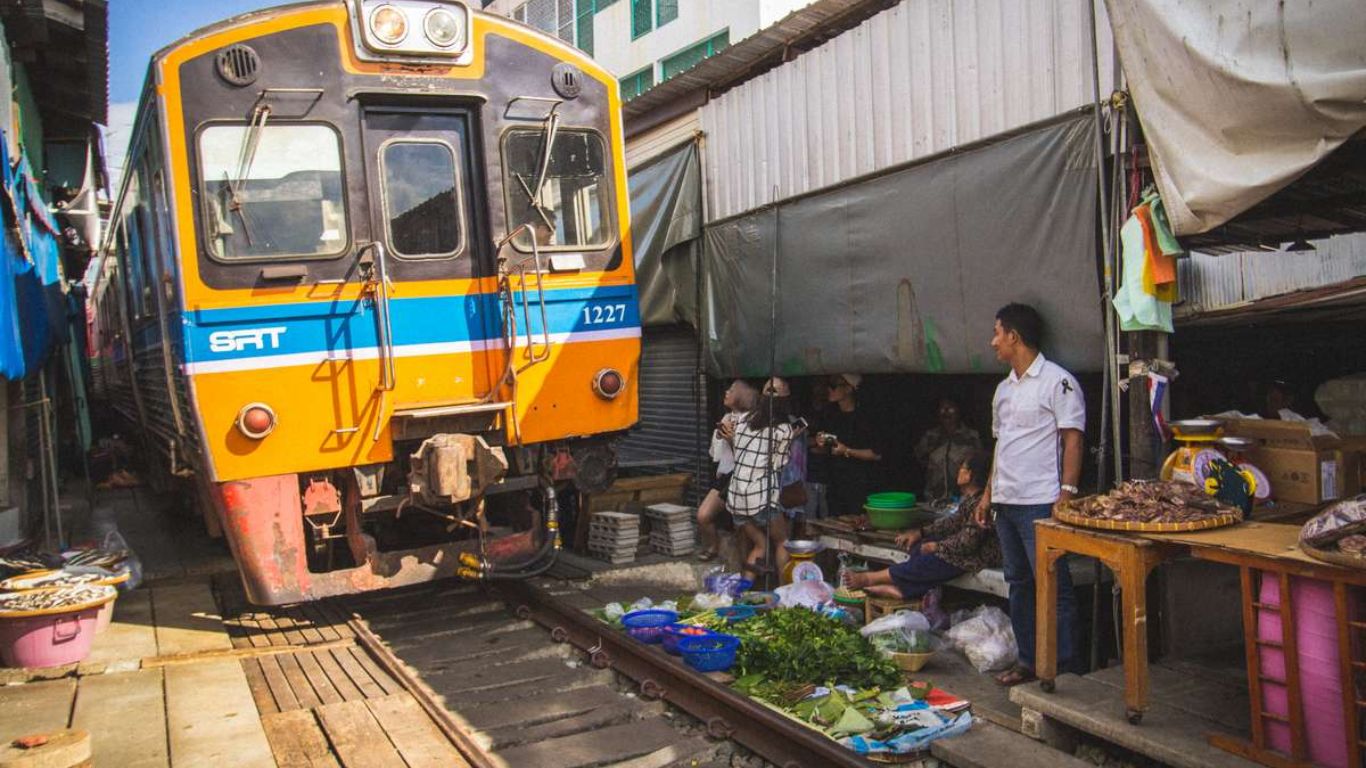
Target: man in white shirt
<point>1038,419</point>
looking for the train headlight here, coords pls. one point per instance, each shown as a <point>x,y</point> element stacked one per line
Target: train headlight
<point>388,24</point>
<point>442,27</point>
<point>608,383</point>
<point>255,420</point>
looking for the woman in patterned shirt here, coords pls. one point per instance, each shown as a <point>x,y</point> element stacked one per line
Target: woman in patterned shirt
<point>762,444</point>
<point>943,550</point>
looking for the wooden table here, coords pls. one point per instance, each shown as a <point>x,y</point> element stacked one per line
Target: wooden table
<point>1258,550</point>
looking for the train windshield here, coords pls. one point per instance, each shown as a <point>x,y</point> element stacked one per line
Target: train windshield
<point>272,191</point>
<point>421,200</point>
<point>572,212</point>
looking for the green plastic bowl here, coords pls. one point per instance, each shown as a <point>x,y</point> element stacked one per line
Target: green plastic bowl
<point>891,500</point>
<point>897,519</point>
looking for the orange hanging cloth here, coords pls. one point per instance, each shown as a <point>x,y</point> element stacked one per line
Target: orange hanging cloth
<point>1161,267</point>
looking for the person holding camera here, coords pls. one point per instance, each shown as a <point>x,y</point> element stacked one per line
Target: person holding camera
<point>847,440</point>
<point>738,400</point>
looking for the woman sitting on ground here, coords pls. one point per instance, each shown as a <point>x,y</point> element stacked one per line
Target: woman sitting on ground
<point>943,550</point>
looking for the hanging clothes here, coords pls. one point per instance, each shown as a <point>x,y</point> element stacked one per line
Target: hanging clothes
<point>1138,309</point>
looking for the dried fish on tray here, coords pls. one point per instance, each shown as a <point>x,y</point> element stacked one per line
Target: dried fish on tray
<point>60,600</point>
<point>102,558</point>
<point>1338,533</point>
<point>70,576</point>
<point>1150,505</point>
<point>24,560</point>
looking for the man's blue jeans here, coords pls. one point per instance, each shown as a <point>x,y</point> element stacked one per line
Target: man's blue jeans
<point>1015,526</point>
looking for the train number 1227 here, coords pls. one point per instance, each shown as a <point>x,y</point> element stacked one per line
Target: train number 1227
<point>598,314</point>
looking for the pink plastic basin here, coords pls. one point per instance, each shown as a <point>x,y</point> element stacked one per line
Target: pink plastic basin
<point>48,640</point>
<point>105,616</point>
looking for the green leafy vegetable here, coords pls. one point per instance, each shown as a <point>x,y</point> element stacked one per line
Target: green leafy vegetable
<point>795,645</point>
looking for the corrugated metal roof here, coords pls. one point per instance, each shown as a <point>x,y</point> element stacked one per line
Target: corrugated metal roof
<point>817,20</point>
<point>1224,284</point>
<point>917,80</point>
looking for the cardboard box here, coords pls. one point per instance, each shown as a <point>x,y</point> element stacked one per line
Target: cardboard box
<point>1302,468</point>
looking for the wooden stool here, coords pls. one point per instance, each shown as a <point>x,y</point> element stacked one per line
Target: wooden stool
<point>877,607</point>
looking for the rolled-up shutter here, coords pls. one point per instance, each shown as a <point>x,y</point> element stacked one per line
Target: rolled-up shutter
<point>671,434</point>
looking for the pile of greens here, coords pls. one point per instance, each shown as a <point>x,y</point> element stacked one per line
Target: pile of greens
<point>795,645</point>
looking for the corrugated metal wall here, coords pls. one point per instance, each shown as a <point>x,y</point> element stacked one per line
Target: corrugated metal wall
<point>1210,283</point>
<point>662,138</point>
<point>914,81</point>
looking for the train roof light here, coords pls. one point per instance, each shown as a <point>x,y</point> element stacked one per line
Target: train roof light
<point>388,24</point>
<point>442,28</point>
<point>384,29</point>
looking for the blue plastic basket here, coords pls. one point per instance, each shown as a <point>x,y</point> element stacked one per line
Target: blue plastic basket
<point>712,653</point>
<point>648,626</point>
<point>734,613</point>
<point>672,634</point>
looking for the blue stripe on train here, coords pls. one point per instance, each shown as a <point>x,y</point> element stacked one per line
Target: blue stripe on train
<point>338,326</point>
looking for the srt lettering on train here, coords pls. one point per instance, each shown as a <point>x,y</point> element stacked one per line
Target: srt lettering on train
<point>250,338</point>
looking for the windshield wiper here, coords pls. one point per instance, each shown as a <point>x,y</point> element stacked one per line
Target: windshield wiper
<point>246,157</point>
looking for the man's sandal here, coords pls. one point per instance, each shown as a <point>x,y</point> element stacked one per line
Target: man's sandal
<point>1016,675</point>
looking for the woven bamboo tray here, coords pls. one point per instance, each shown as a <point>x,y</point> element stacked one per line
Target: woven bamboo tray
<point>1334,557</point>
<point>1216,521</point>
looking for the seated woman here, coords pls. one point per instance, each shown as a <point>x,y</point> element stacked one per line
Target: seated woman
<point>943,550</point>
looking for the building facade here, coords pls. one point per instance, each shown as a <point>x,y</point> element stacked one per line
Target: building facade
<point>645,42</point>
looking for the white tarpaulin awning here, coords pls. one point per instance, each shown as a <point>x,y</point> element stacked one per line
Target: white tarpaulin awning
<point>1238,98</point>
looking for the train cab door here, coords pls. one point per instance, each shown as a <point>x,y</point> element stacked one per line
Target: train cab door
<point>426,197</point>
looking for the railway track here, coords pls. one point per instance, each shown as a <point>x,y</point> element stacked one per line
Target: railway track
<point>518,675</point>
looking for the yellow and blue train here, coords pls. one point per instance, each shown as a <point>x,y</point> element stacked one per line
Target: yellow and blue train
<point>370,266</point>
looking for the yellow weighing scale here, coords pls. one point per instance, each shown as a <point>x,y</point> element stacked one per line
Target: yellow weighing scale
<point>1189,462</point>
<point>799,551</point>
<point>1201,443</point>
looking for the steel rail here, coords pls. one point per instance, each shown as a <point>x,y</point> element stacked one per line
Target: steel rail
<point>726,713</point>
<point>460,738</point>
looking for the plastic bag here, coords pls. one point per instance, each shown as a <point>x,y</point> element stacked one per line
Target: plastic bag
<point>901,620</point>
<point>807,594</point>
<point>114,542</point>
<point>901,632</point>
<point>705,601</point>
<point>986,639</point>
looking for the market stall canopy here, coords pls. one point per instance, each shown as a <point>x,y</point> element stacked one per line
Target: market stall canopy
<point>666,222</point>
<point>1239,100</point>
<point>904,272</point>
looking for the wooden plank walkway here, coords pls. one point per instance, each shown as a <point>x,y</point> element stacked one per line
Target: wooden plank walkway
<point>126,714</point>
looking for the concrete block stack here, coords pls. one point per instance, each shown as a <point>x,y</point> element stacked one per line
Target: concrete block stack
<point>673,530</point>
<point>614,536</point>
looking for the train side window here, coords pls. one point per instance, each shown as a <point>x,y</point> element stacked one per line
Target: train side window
<point>573,209</point>
<point>272,192</point>
<point>421,198</point>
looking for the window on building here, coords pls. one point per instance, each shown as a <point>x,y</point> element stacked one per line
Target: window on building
<point>647,15</point>
<point>569,20</point>
<point>584,20</point>
<point>635,84</point>
<point>665,12</point>
<point>693,55</point>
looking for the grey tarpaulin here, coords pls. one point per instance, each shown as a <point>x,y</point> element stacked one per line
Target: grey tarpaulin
<point>904,272</point>
<point>1237,100</point>
<point>666,222</point>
